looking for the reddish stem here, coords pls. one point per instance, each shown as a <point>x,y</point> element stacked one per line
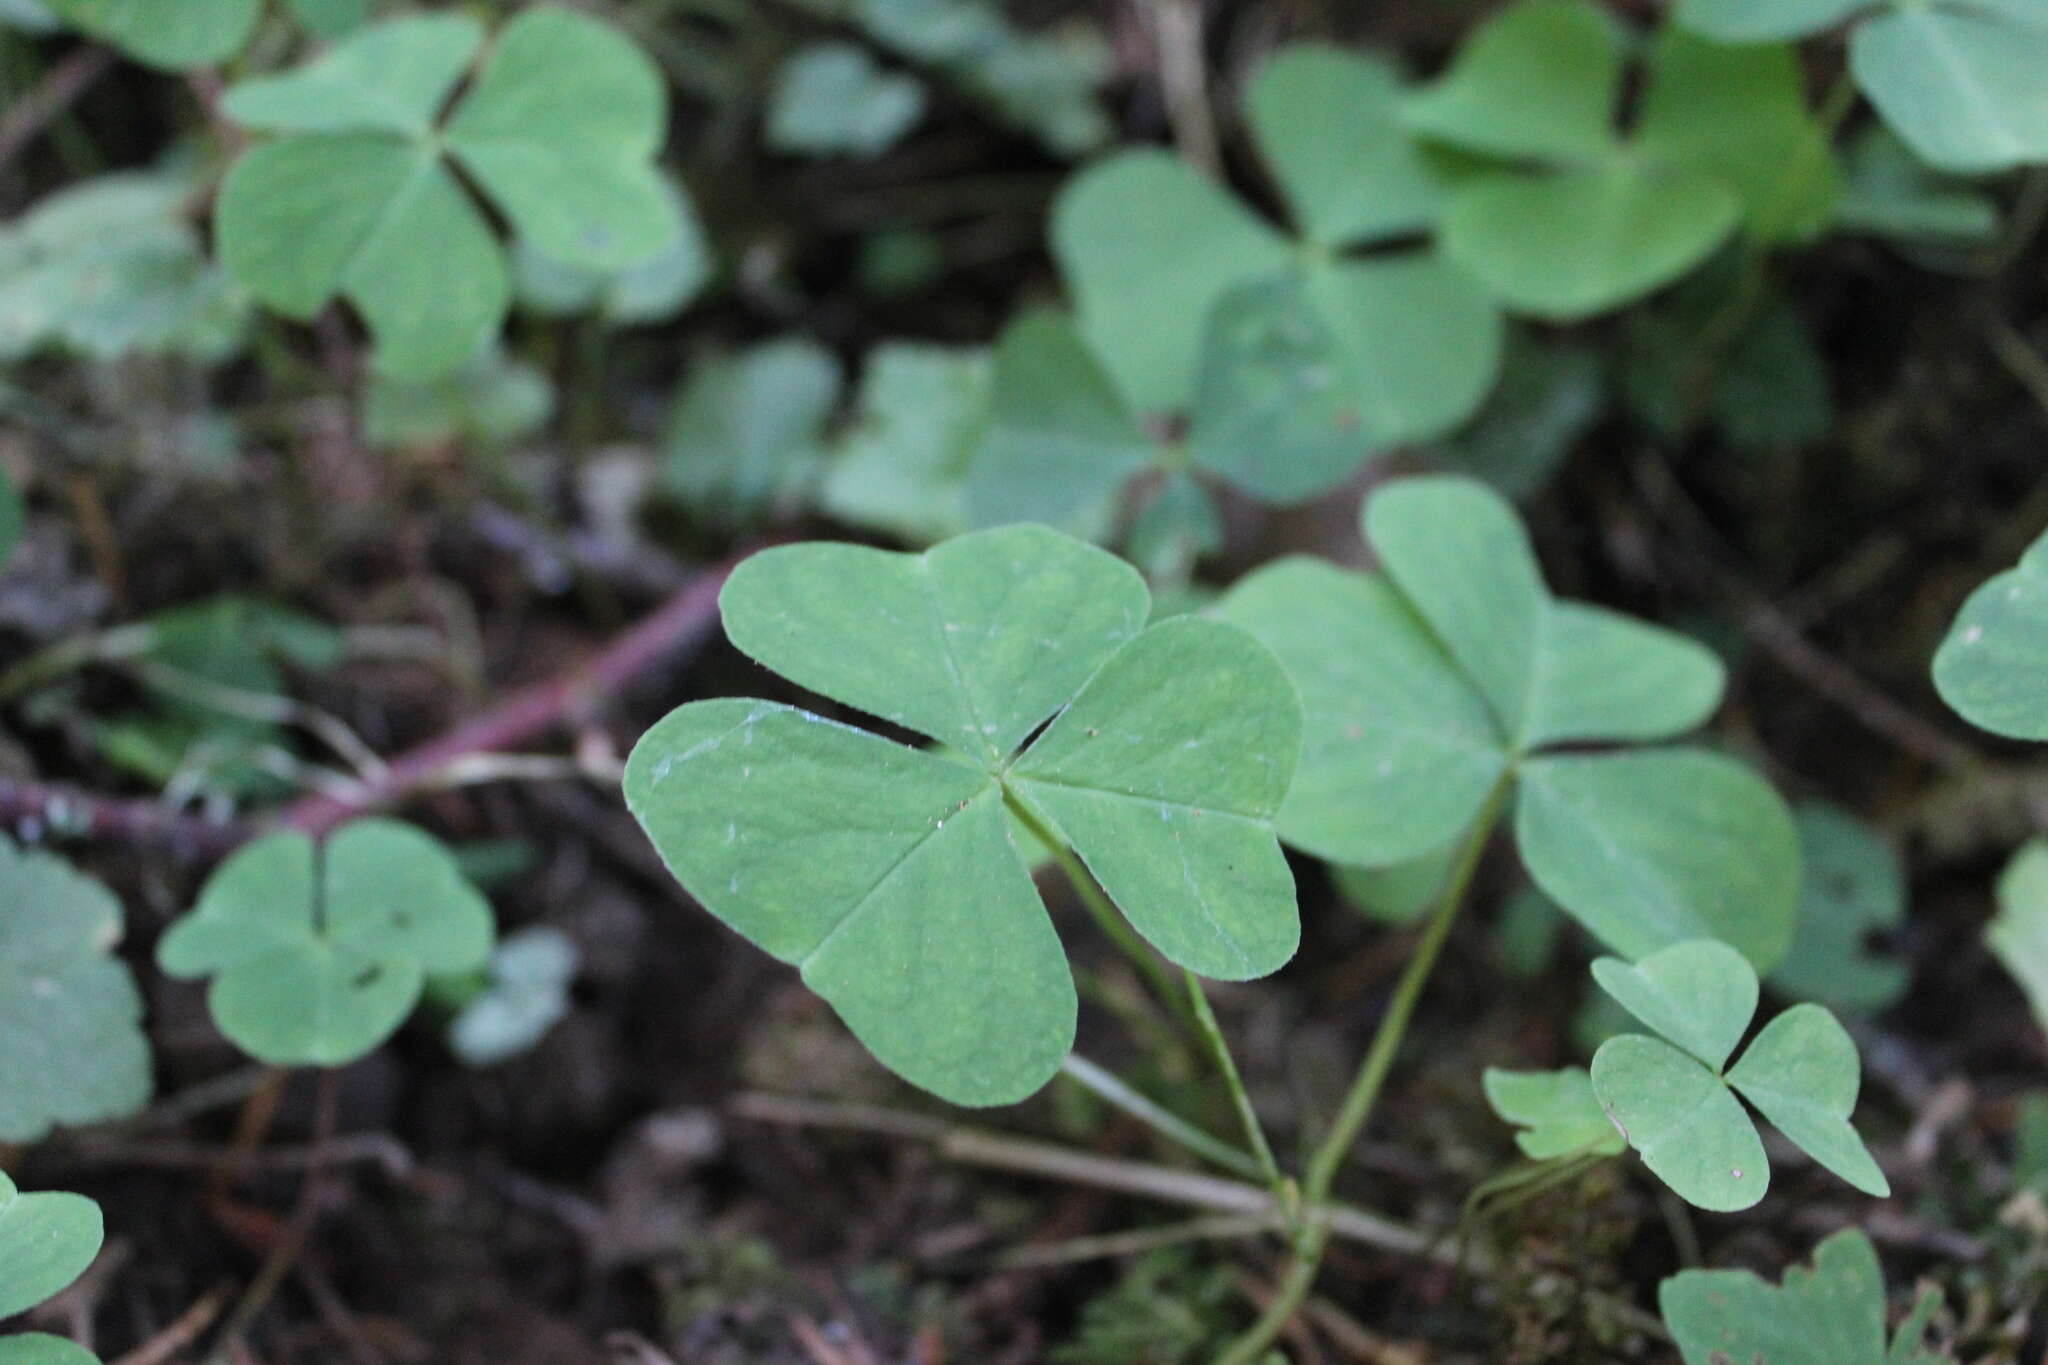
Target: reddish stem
<point>35,809</point>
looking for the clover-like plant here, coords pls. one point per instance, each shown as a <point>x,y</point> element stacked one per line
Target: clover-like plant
<point>1959,80</point>
<point>1673,1096</point>
<point>47,1240</point>
<point>1435,694</point>
<point>1149,247</point>
<point>319,952</point>
<point>1570,217</point>
<point>1556,1112</point>
<point>360,196</point>
<point>889,874</point>
<point>1992,666</point>
<point>1832,1314</point>
<point>72,1050</point>
<point>195,32</point>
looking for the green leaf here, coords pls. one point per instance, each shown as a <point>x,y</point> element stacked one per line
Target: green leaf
<point>393,78</point>
<point>1164,774</point>
<point>887,875</point>
<point>1177,525</point>
<point>748,429</point>
<point>1961,86</point>
<point>39,1348</point>
<point>973,643</point>
<point>1682,1120</point>
<point>1832,1314</point>
<point>72,1050</point>
<point>110,267</point>
<point>1600,675</point>
<point>491,400</point>
<point>1570,245</point>
<point>918,420</point>
<point>1699,994</point>
<point>559,128</point>
<point>1328,123</point>
<point>1557,1111</point>
<point>1456,549</point>
<point>1740,115</point>
<point>1147,245</point>
<point>890,875</point>
<point>13,518</point>
<point>1802,1073</point>
<point>1892,193</point>
<point>1853,886</point>
<point>1538,81</point>
<point>190,33</point>
<point>1060,444</point>
<point>1650,849</point>
<point>1399,750</point>
<point>378,222</point>
<point>650,290</point>
<point>1761,21</point>
<point>831,98</point>
<point>1993,662</point>
<point>528,993</point>
<point>47,1240</point>
<point>2018,934</point>
<point>330,18</point>
<point>317,956</point>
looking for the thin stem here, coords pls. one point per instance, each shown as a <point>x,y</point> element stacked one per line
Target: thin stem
<point>1107,917</point>
<point>1314,1233</point>
<point>1158,1118</point>
<point>1254,1131</point>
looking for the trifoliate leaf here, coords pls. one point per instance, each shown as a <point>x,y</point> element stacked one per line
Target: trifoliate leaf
<point>1557,1112</point>
<point>889,874</point>
<point>47,1240</point>
<point>1415,692</point>
<point>2018,934</point>
<point>72,1050</point>
<point>1993,662</point>
<point>748,429</point>
<point>832,97</point>
<point>558,128</point>
<point>318,954</point>
<point>1853,886</point>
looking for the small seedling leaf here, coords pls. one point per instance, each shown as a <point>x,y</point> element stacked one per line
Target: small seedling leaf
<point>528,993</point>
<point>318,955</point>
<point>1557,1111</point>
<point>1992,664</point>
<point>47,1240</point>
<point>72,1050</point>
<point>1699,995</point>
